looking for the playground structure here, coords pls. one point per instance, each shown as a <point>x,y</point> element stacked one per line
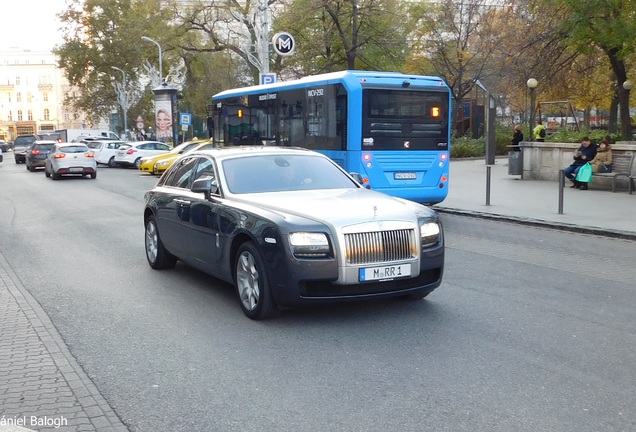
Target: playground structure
<point>563,117</point>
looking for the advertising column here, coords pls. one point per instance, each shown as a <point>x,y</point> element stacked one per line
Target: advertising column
<point>166,113</point>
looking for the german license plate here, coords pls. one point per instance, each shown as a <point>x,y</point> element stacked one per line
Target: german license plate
<point>404,176</point>
<point>78,169</point>
<point>385,272</point>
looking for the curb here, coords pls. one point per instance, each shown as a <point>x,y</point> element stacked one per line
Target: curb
<point>602,232</point>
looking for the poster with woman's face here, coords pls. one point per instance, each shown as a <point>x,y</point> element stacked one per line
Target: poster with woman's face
<point>164,120</point>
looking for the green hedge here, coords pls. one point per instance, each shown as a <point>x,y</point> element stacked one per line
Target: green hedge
<point>464,146</point>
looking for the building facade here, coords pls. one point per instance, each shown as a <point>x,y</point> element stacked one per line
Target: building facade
<point>32,90</point>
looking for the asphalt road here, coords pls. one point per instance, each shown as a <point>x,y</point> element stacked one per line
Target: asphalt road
<point>531,330</point>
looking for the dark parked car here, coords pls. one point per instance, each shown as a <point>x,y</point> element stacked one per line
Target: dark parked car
<point>288,226</point>
<point>37,153</point>
<point>4,147</point>
<point>20,145</point>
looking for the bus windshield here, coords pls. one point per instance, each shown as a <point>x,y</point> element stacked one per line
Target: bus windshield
<point>404,119</point>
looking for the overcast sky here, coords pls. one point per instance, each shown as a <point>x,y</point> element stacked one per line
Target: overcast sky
<point>31,24</point>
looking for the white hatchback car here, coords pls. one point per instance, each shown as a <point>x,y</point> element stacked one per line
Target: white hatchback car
<point>105,151</point>
<point>130,154</point>
<point>70,158</point>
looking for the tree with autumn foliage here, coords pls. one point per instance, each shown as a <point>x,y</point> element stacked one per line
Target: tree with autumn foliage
<point>335,35</point>
<point>455,40</point>
<point>607,25</point>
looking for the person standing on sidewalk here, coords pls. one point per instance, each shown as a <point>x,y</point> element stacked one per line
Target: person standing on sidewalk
<point>538,134</point>
<point>517,138</point>
<point>583,155</point>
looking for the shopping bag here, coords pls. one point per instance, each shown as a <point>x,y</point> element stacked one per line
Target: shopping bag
<point>585,173</point>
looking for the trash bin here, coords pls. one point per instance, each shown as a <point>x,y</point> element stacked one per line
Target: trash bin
<point>515,162</point>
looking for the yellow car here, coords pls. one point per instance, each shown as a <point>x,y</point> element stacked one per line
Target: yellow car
<point>149,163</point>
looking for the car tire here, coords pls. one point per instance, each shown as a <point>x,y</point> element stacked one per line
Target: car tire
<point>156,254</point>
<point>137,162</point>
<point>111,162</point>
<point>252,284</point>
<point>94,175</point>
<point>47,173</point>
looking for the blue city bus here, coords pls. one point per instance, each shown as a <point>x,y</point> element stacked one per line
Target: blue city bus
<point>391,128</point>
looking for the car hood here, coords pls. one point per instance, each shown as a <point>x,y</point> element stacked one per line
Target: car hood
<point>157,158</point>
<point>339,206</point>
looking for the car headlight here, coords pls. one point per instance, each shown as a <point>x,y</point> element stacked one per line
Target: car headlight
<point>162,164</point>
<point>309,245</point>
<point>429,232</point>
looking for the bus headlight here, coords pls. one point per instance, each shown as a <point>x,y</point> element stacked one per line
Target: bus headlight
<point>309,245</point>
<point>429,232</point>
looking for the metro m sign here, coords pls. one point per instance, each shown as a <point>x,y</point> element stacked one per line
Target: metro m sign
<point>284,43</point>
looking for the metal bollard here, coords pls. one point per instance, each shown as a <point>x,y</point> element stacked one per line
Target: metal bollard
<point>561,187</point>
<point>488,169</point>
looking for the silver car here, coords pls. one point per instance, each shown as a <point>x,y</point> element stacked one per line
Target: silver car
<point>70,159</point>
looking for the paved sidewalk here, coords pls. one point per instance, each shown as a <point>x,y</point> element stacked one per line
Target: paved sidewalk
<point>42,387</point>
<point>536,202</point>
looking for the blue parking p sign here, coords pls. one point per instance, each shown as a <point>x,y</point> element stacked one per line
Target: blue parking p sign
<point>267,78</point>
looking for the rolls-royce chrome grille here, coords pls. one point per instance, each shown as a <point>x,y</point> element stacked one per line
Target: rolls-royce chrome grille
<point>380,246</point>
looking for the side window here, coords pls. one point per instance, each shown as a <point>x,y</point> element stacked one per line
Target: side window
<point>162,146</point>
<point>181,175</point>
<point>146,147</point>
<point>205,168</point>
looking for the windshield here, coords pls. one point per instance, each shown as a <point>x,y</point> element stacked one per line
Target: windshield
<point>43,147</point>
<point>405,119</point>
<point>283,173</point>
<point>74,149</point>
<point>24,141</point>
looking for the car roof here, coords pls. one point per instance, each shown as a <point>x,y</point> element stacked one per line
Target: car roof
<point>245,151</point>
<point>44,142</point>
<point>109,141</point>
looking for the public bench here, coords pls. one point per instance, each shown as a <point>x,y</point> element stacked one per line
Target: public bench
<point>623,165</point>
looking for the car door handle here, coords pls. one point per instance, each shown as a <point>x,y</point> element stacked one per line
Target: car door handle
<point>182,203</point>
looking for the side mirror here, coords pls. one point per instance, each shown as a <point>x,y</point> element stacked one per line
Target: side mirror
<point>206,186</point>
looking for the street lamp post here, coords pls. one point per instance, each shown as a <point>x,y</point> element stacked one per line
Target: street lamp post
<point>532,85</point>
<point>146,38</point>
<point>626,120</point>
<point>123,99</point>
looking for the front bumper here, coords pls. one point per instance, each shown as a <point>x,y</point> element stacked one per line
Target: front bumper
<point>309,281</point>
